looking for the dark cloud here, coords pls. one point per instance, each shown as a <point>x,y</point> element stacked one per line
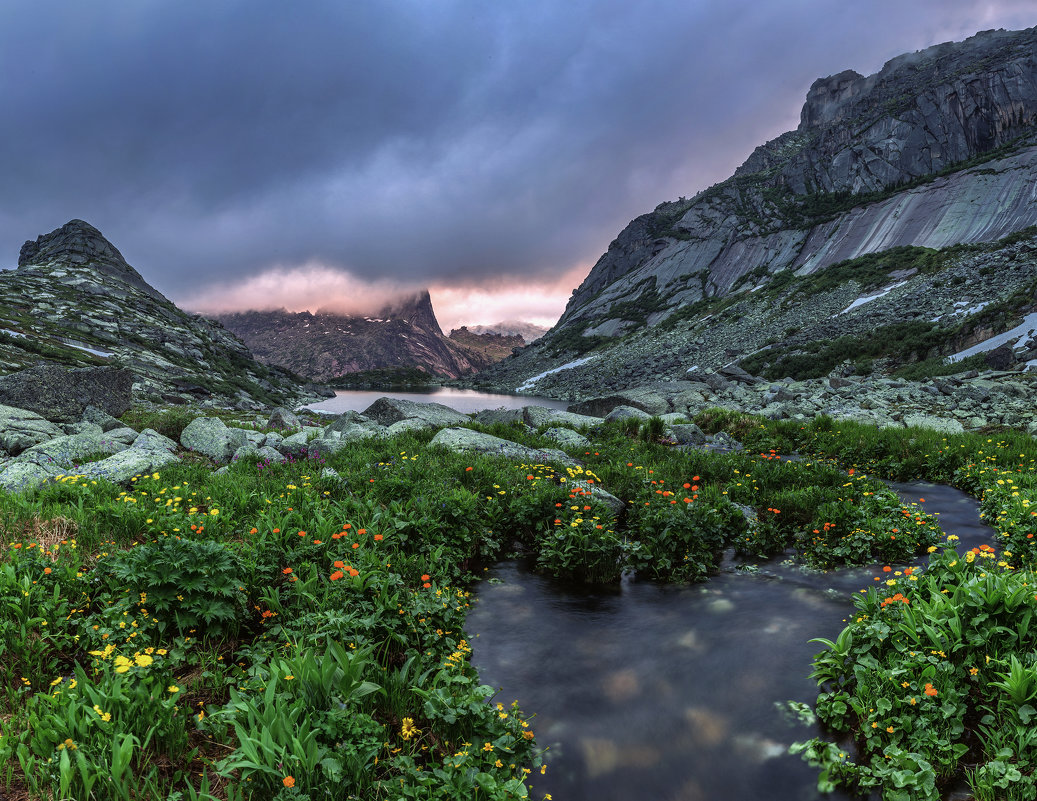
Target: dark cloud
<point>409,141</point>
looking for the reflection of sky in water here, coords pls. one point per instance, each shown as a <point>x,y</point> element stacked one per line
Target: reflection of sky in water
<point>660,693</point>
<point>465,401</point>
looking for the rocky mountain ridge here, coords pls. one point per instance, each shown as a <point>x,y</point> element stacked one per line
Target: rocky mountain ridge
<point>73,300</point>
<point>324,346</point>
<point>931,156</point>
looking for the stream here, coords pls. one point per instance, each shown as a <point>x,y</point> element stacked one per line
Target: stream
<point>647,692</point>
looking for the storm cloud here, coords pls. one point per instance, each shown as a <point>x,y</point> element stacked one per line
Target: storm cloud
<point>478,147</point>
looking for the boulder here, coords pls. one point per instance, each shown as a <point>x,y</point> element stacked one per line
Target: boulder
<point>537,416</point>
<point>625,413</point>
<point>61,395</point>
<point>292,445</point>
<point>91,414</point>
<point>270,455</point>
<point>501,415</point>
<point>943,424</point>
<point>354,431</point>
<point>126,464</point>
<point>211,436</point>
<point>615,505</point>
<point>127,436</point>
<point>644,399</point>
<point>69,450</point>
<point>283,418</point>
<point>19,475</point>
<point>567,438</point>
<point>464,440</point>
<point>387,411</point>
<point>21,429</point>
<point>688,434</point>
<point>150,439</point>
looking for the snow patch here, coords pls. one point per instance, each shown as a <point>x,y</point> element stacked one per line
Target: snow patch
<point>527,385</point>
<point>9,332</point>
<point>1021,333</point>
<point>869,298</point>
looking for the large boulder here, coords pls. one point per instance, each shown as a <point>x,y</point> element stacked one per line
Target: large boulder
<point>212,437</point>
<point>70,450</point>
<point>464,440</point>
<point>62,395</point>
<point>626,413</point>
<point>126,464</point>
<point>21,429</point>
<point>500,415</point>
<point>644,399</point>
<point>20,475</point>
<point>150,439</point>
<point>537,416</point>
<point>387,411</point>
<point>283,418</point>
<point>567,438</point>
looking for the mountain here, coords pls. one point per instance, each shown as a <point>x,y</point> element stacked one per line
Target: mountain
<point>326,345</point>
<point>530,332</point>
<point>485,348</point>
<point>895,219</point>
<point>74,300</point>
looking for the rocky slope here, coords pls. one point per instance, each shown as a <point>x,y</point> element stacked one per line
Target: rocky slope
<point>936,151</point>
<point>74,301</point>
<point>530,332</point>
<point>325,346</point>
<point>487,347</point>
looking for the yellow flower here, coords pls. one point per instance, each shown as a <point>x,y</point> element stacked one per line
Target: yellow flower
<point>143,660</point>
<point>173,688</point>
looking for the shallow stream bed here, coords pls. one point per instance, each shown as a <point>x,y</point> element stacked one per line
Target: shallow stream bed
<point>669,693</point>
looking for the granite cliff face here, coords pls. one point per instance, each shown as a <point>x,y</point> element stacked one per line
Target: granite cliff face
<point>937,150</point>
<point>325,346</point>
<point>73,300</point>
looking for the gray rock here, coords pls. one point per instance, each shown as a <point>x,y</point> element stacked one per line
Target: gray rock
<point>295,443</point>
<point>283,418</point>
<point>501,415</point>
<point>537,416</point>
<point>255,438</point>
<point>21,429</point>
<point>644,399</point>
<point>273,439</point>
<point>272,455</point>
<point>347,420</point>
<point>150,439</point>
<point>61,395</point>
<point>387,411</point>
<point>126,464</point>
<point>625,413</point>
<point>124,435</point>
<point>567,438</point>
<point>211,436</point>
<point>465,440</point>
<point>615,505</point>
<point>688,434</point>
<point>722,442</point>
<point>91,414</point>
<point>355,431</point>
<point>69,450</point>
<point>20,475</point>
<point>410,424</point>
<point>942,424</point>
<point>243,451</point>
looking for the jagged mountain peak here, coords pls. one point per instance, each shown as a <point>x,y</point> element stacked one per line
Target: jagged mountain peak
<point>78,244</point>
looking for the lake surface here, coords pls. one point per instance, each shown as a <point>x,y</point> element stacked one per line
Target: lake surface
<point>667,693</point>
<point>462,400</point>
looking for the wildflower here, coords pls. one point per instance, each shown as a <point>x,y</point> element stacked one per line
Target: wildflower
<point>408,729</point>
<point>337,575</point>
<point>172,688</point>
<point>288,781</point>
<point>287,570</point>
<point>488,747</point>
<point>929,689</point>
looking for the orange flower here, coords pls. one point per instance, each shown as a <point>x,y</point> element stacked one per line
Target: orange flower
<point>288,781</point>
<point>287,570</point>
<point>277,531</point>
<point>338,563</point>
<point>361,531</point>
<point>356,544</point>
<point>468,469</point>
<point>886,569</point>
<point>425,576</point>
<point>929,689</point>
<point>426,585</point>
<point>47,570</point>
<point>337,575</point>
<point>687,485</point>
<point>377,537</point>
<point>353,571</point>
<point>347,525</point>
<point>253,530</point>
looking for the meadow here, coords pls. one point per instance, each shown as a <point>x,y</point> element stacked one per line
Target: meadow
<point>296,631</point>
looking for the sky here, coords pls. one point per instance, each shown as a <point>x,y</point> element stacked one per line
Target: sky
<point>331,153</point>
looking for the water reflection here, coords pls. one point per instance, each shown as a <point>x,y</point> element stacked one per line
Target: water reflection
<point>654,692</point>
<point>461,400</point>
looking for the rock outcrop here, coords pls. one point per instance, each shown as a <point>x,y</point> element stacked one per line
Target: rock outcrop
<point>74,301</point>
<point>936,151</point>
<point>328,345</point>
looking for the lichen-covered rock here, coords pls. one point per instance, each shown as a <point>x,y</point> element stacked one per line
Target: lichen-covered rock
<point>567,438</point>
<point>150,439</point>
<point>687,434</point>
<point>644,399</point>
<point>19,475</point>
<point>91,414</point>
<point>212,437</point>
<point>21,429</point>
<point>123,466</point>
<point>283,418</point>
<point>538,416</point>
<point>946,425</point>
<point>626,413</point>
<point>387,411</point>
<point>464,440</point>
<point>61,395</point>
<point>69,450</point>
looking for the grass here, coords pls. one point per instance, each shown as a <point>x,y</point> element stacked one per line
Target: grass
<point>269,633</point>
